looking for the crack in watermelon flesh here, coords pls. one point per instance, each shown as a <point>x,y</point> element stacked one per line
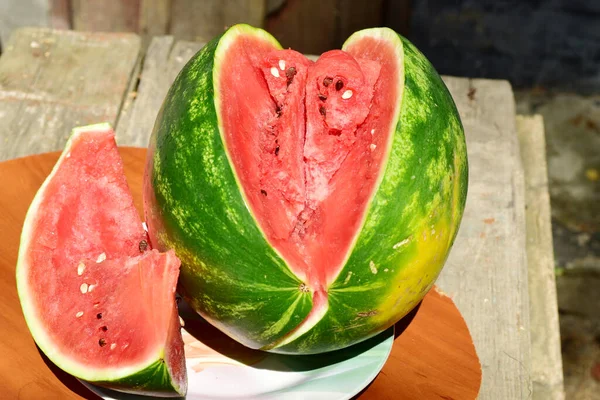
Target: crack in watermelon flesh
<point>310,158</point>
<point>97,304</point>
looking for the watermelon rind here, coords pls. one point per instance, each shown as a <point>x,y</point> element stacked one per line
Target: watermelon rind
<point>232,275</point>
<point>150,377</point>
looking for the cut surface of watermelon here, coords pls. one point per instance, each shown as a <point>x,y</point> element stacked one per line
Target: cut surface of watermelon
<point>309,172</point>
<point>98,301</point>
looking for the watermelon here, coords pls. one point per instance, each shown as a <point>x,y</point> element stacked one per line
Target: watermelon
<point>312,204</point>
<point>99,302</point>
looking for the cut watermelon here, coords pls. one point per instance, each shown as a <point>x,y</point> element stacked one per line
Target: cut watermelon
<point>98,301</point>
<point>313,204</point>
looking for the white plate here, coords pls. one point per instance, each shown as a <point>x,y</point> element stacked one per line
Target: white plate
<point>219,368</point>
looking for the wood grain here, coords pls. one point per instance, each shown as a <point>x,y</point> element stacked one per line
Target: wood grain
<point>155,16</point>
<point>52,81</point>
<point>194,22</point>
<point>289,25</point>
<point>546,358</point>
<point>162,63</point>
<point>433,355</point>
<point>106,15</point>
<point>486,272</point>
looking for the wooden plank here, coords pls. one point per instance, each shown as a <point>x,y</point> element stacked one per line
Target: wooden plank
<point>60,14</point>
<point>52,81</point>
<point>192,22</point>
<point>134,130</point>
<point>251,12</point>
<point>308,26</point>
<point>486,272</point>
<point>546,358</point>
<point>162,63</point>
<point>106,15</point>
<point>189,22</point>
<point>154,19</point>
<point>357,15</point>
<point>19,13</point>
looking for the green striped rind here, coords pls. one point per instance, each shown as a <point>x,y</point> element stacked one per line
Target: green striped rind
<point>154,380</point>
<point>228,270</point>
<point>413,217</point>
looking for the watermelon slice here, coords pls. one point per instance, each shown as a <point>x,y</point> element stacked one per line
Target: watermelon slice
<point>99,302</point>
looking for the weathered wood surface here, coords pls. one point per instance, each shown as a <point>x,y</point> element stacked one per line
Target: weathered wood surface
<point>17,13</point>
<point>105,15</point>
<point>194,23</point>
<point>315,26</point>
<point>52,81</point>
<point>546,359</point>
<point>486,273</point>
<point>162,63</point>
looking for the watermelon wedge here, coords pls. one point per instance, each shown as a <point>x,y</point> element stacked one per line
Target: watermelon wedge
<point>312,204</point>
<point>99,302</point>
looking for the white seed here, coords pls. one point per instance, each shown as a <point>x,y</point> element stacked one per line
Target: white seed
<point>373,146</point>
<point>68,154</point>
<point>80,268</point>
<point>83,288</point>
<point>282,65</point>
<point>372,131</point>
<point>181,321</point>
<point>91,287</point>
<point>79,314</point>
<point>101,258</point>
<point>126,345</point>
<point>275,72</point>
<point>347,94</point>
<point>113,346</point>
<point>145,226</point>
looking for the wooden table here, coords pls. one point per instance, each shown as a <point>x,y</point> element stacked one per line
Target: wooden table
<point>500,271</point>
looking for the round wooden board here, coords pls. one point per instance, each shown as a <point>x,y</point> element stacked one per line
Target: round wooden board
<point>433,356</point>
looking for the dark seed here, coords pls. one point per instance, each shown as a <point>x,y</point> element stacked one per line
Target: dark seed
<point>277,150</point>
<point>104,328</point>
<point>290,73</point>
<point>323,111</point>
<point>102,342</point>
<point>263,192</point>
<point>278,111</point>
<point>339,85</point>
<point>143,246</point>
<point>322,96</point>
<point>99,315</point>
<point>327,81</point>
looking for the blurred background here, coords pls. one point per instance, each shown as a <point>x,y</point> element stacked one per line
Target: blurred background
<point>549,50</point>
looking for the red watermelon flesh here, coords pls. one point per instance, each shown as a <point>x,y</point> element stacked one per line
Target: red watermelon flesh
<point>98,301</point>
<point>323,119</point>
